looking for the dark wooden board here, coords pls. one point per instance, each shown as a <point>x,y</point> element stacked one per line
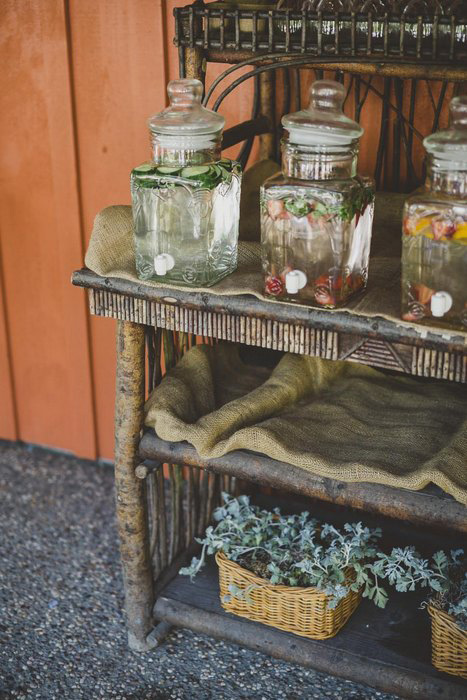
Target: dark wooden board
<point>387,649</point>
<point>431,506</point>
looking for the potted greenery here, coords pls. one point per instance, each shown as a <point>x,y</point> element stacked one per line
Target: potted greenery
<point>299,575</point>
<point>446,576</point>
<point>448,612</point>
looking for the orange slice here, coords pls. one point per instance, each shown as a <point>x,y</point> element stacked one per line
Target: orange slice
<point>423,223</point>
<point>460,233</point>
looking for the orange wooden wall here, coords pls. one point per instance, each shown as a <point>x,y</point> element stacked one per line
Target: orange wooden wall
<point>79,79</point>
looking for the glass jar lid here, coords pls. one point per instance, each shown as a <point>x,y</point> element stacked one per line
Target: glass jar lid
<point>323,123</point>
<point>186,117</point>
<point>451,144</point>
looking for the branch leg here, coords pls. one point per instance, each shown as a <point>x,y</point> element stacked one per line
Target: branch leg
<point>130,491</point>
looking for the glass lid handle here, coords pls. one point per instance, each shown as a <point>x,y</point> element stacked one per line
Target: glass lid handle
<point>458,112</point>
<point>327,96</point>
<point>185,92</point>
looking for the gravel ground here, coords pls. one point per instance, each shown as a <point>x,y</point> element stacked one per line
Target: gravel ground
<point>62,630</point>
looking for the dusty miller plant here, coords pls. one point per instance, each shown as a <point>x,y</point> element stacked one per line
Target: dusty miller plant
<point>447,579</point>
<point>297,550</point>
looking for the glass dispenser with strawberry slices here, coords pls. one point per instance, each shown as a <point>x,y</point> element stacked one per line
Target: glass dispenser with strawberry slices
<point>317,215</point>
<point>434,238</point>
<point>186,201</point>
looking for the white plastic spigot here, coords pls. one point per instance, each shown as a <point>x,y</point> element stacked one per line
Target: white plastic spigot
<point>294,281</point>
<point>441,302</point>
<point>163,263</point>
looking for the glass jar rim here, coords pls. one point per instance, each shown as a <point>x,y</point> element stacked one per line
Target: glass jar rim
<point>322,150</point>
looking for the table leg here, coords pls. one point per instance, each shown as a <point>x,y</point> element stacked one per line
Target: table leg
<point>130,491</point>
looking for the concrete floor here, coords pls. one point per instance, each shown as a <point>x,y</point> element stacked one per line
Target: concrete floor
<point>62,630</point>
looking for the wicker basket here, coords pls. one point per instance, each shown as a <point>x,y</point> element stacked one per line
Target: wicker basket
<point>448,644</point>
<point>303,611</point>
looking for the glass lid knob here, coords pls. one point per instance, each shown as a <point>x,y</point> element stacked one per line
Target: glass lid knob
<point>185,92</point>
<point>186,116</point>
<point>450,144</point>
<point>327,95</point>
<point>323,122</point>
<point>458,112</point>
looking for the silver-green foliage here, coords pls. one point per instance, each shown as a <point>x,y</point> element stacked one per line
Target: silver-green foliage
<point>449,583</point>
<point>444,575</point>
<point>297,550</point>
<point>457,604</point>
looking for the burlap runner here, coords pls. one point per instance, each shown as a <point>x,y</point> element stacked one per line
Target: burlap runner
<point>336,419</point>
<point>111,254</point>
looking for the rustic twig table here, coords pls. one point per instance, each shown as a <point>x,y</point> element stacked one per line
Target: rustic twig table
<point>159,516</point>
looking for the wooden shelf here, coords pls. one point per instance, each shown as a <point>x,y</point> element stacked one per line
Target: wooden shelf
<point>349,322</point>
<point>369,330</point>
<point>387,649</point>
<point>338,335</point>
<point>431,506</point>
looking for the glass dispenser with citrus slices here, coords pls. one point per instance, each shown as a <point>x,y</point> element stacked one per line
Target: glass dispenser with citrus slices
<point>434,238</point>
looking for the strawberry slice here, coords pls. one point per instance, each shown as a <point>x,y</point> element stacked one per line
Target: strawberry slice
<point>324,297</point>
<point>276,209</point>
<point>442,227</point>
<point>274,286</point>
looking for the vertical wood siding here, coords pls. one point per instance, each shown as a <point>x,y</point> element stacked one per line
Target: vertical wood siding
<point>40,231</point>
<point>119,77</point>
<point>8,425</point>
<point>79,79</point>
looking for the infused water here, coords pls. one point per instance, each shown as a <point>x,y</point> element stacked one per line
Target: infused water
<point>322,233</point>
<point>317,215</point>
<point>186,221</point>
<point>434,269</point>
<point>186,201</point>
<point>434,230</point>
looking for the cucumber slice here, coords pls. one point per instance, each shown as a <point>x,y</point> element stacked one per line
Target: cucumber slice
<point>165,170</point>
<point>144,168</point>
<point>194,171</point>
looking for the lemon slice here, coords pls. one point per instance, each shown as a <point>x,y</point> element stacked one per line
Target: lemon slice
<point>460,233</point>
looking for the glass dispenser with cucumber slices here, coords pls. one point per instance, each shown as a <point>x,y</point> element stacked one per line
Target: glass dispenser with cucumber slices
<point>186,201</point>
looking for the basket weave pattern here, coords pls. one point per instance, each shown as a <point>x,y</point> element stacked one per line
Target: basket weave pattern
<point>448,644</point>
<point>303,611</point>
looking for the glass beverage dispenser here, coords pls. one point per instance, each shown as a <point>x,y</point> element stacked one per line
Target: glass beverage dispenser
<point>316,216</point>
<point>186,200</point>
<point>434,239</point>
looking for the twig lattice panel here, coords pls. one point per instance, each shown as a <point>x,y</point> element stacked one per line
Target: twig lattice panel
<point>279,335</point>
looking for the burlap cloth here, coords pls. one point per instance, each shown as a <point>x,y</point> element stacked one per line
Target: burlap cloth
<point>336,419</point>
<point>111,253</point>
